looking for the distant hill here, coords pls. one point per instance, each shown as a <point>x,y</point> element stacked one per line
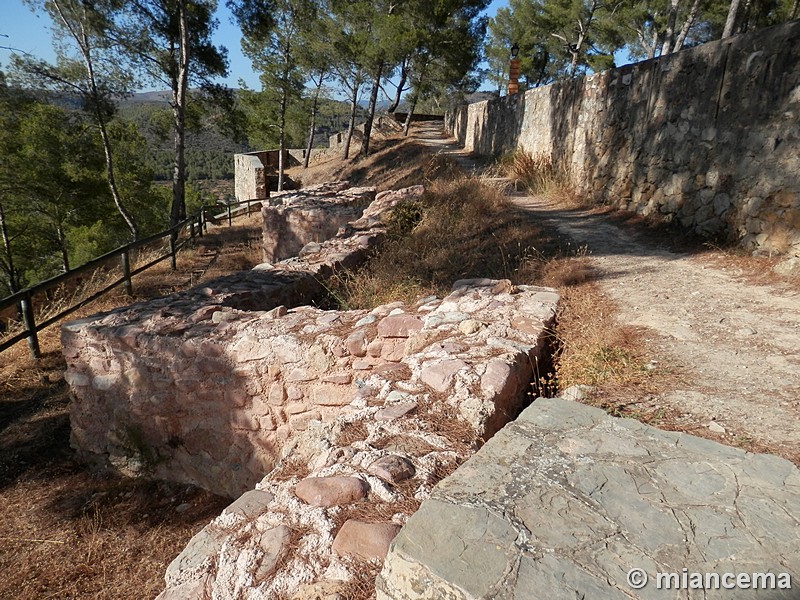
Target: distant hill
<point>209,152</point>
<point>156,97</point>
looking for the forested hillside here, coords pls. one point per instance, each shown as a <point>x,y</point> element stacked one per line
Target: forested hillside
<point>104,167</point>
<point>209,148</point>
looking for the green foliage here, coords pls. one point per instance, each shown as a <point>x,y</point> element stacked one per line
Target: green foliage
<point>263,111</point>
<point>560,38</point>
<point>209,146</point>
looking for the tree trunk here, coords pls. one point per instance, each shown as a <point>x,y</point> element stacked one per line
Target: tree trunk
<point>373,101</point>
<point>731,20</point>
<point>687,25</point>
<point>112,182</point>
<point>403,78</point>
<point>583,28</point>
<point>281,140</point>
<point>351,126</point>
<point>669,31</point>
<point>407,124</point>
<point>313,125</point>
<point>653,44</point>
<point>179,96</point>
<point>11,271</point>
<point>62,246</point>
<point>82,40</point>
<point>744,22</point>
<point>795,10</point>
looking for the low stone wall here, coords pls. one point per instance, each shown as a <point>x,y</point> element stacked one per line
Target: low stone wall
<point>708,136</point>
<point>188,387</point>
<point>342,420</point>
<point>255,172</point>
<point>299,154</point>
<point>390,401</point>
<point>293,219</point>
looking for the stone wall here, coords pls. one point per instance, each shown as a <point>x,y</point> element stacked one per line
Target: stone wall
<point>254,172</point>
<point>205,386</point>
<point>709,136</point>
<point>293,219</point>
<point>250,177</point>
<point>390,401</point>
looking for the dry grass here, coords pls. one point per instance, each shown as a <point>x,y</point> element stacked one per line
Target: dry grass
<point>376,511</point>
<point>460,229</point>
<point>394,162</point>
<point>70,533</point>
<point>362,584</point>
<point>592,348</point>
<point>354,431</point>
<point>537,174</point>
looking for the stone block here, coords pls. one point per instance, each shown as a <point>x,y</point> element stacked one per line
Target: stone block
<point>331,491</point>
<point>440,374</point>
<point>399,326</point>
<point>367,541</point>
<point>566,500</point>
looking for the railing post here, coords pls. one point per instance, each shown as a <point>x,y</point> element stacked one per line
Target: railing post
<point>229,216</point>
<point>248,208</point>
<point>172,261</point>
<point>126,273</point>
<point>30,325</point>
<point>200,223</point>
<point>205,220</point>
<point>191,229</point>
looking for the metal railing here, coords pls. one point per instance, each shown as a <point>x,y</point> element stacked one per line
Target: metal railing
<point>191,227</point>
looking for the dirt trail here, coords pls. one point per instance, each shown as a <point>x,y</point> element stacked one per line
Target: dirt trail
<point>734,345</point>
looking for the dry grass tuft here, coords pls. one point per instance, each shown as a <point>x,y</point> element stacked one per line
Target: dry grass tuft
<point>538,174</point>
<point>362,585</point>
<point>376,511</point>
<point>355,431</point>
<point>591,348</point>
<point>441,418</point>
<point>460,229</point>
<point>290,468</point>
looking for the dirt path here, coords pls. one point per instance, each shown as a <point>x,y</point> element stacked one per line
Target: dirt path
<point>734,345</point>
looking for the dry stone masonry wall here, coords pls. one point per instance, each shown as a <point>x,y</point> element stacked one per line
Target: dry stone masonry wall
<point>293,219</point>
<point>172,386</point>
<point>388,401</point>
<point>329,426</point>
<point>709,136</point>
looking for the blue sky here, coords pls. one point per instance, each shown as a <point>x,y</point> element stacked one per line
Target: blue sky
<point>21,29</point>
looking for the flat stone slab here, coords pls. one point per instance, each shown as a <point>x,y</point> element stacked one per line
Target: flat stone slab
<point>566,501</point>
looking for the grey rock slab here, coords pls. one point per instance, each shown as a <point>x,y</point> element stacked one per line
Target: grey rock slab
<point>563,502</point>
<point>201,549</point>
<point>250,504</point>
